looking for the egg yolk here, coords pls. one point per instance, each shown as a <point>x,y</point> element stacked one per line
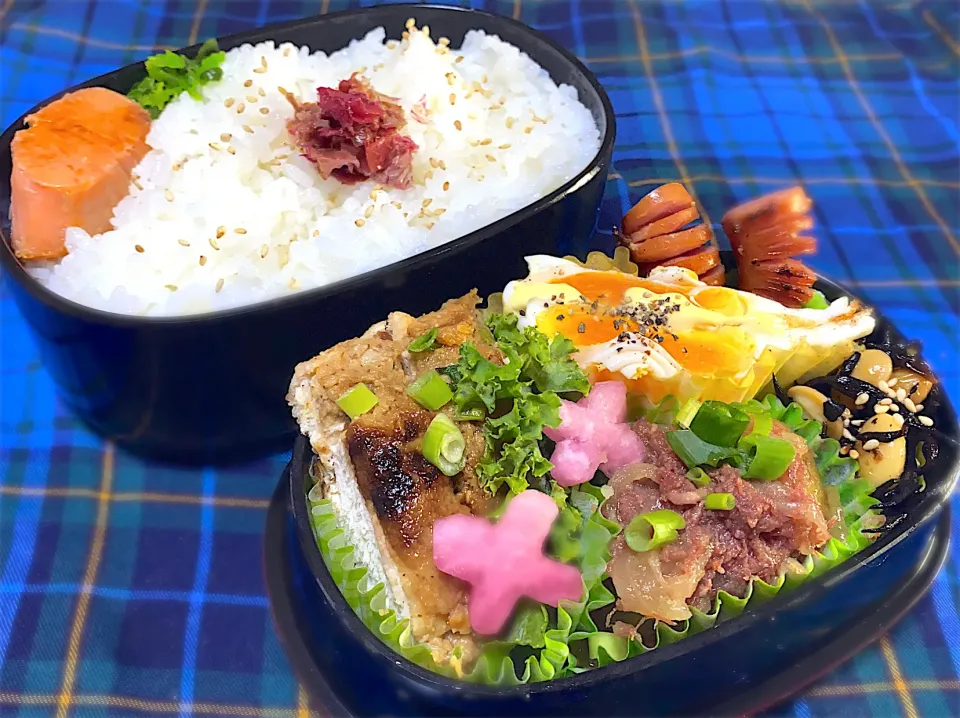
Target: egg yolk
<point>707,350</point>
<point>721,300</point>
<point>717,352</point>
<point>581,325</point>
<point>607,287</point>
<point>611,287</point>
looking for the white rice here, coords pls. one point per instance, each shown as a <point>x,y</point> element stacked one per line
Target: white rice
<point>205,227</point>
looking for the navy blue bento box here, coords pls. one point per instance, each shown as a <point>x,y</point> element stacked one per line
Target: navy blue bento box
<point>738,667</point>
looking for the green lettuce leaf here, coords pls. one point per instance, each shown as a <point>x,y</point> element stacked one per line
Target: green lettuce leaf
<point>512,453</point>
<point>663,412</point>
<point>535,372</point>
<point>529,627</point>
<point>546,362</point>
<point>480,383</point>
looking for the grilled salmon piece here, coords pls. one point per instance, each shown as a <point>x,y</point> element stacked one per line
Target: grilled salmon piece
<point>71,167</point>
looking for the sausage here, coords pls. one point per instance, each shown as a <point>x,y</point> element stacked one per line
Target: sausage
<point>700,261</point>
<point>657,233</point>
<point>71,167</point>
<point>767,234</point>
<point>665,200</point>
<point>657,250</point>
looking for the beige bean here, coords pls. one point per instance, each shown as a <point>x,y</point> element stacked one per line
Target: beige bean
<point>887,460</point>
<point>873,367</point>
<point>811,401</point>
<point>907,380</point>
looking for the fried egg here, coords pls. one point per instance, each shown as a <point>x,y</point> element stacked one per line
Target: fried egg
<point>670,334</point>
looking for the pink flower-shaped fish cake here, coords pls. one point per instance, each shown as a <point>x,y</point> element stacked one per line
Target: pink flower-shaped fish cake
<point>504,562</point>
<point>593,435</point>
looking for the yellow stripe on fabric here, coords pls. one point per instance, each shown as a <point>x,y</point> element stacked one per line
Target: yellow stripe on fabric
<point>893,665</point>
<point>149,706</point>
<point>5,8</point>
<point>197,21</point>
<point>655,57</point>
<point>866,688</point>
<point>941,31</point>
<point>81,40</point>
<point>152,497</point>
<point>31,699</point>
<point>843,181</point>
<point>757,59</point>
<point>303,704</point>
<point>89,580</point>
<point>641,36</point>
<point>516,9</point>
<point>324,7</point>
<point>868,109</point>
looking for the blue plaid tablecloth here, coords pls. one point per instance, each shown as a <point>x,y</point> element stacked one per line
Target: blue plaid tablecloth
<point>129,588</point>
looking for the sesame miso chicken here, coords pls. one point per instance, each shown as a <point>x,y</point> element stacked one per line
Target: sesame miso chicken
<point>395,486</point>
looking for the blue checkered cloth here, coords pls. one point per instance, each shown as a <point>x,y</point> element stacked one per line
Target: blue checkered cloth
<point>130,588</point>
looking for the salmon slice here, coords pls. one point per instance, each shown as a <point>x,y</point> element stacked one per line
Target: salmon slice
<point>71,167</point>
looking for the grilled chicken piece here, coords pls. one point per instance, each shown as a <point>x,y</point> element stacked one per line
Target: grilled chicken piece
<point>387,496</point>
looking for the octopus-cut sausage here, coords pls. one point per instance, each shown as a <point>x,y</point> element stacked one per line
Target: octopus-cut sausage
<point>767,234</point>
<point>657,234</point>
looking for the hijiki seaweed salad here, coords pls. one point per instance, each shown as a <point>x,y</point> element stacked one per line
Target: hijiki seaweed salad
<point>612,455</point>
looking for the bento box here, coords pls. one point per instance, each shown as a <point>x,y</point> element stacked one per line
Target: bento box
<point>190,384</point>
<point>751,645</point>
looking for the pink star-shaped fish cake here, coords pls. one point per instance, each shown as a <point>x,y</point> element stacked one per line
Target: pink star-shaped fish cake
<point>593,434</point>
<point>504,561</point>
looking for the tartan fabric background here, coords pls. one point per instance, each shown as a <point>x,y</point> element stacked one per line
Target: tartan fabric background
<point>129,588</point>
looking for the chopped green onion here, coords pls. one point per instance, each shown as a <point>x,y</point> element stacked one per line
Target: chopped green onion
<point>762,424</point>
<point>694,451</point>
<point>752,407</point>
<point>817,301</point>
<point>698,477</point>
<point>474,414</point>
<point>719,423</point>
<point>357,401</point>
<point>653,529</point>
<point>719,502</point>
<point>430,391</point>
<point>769,457</point>
<point>424,342</point>
<point>443,445</point>
<point>687,412</point>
